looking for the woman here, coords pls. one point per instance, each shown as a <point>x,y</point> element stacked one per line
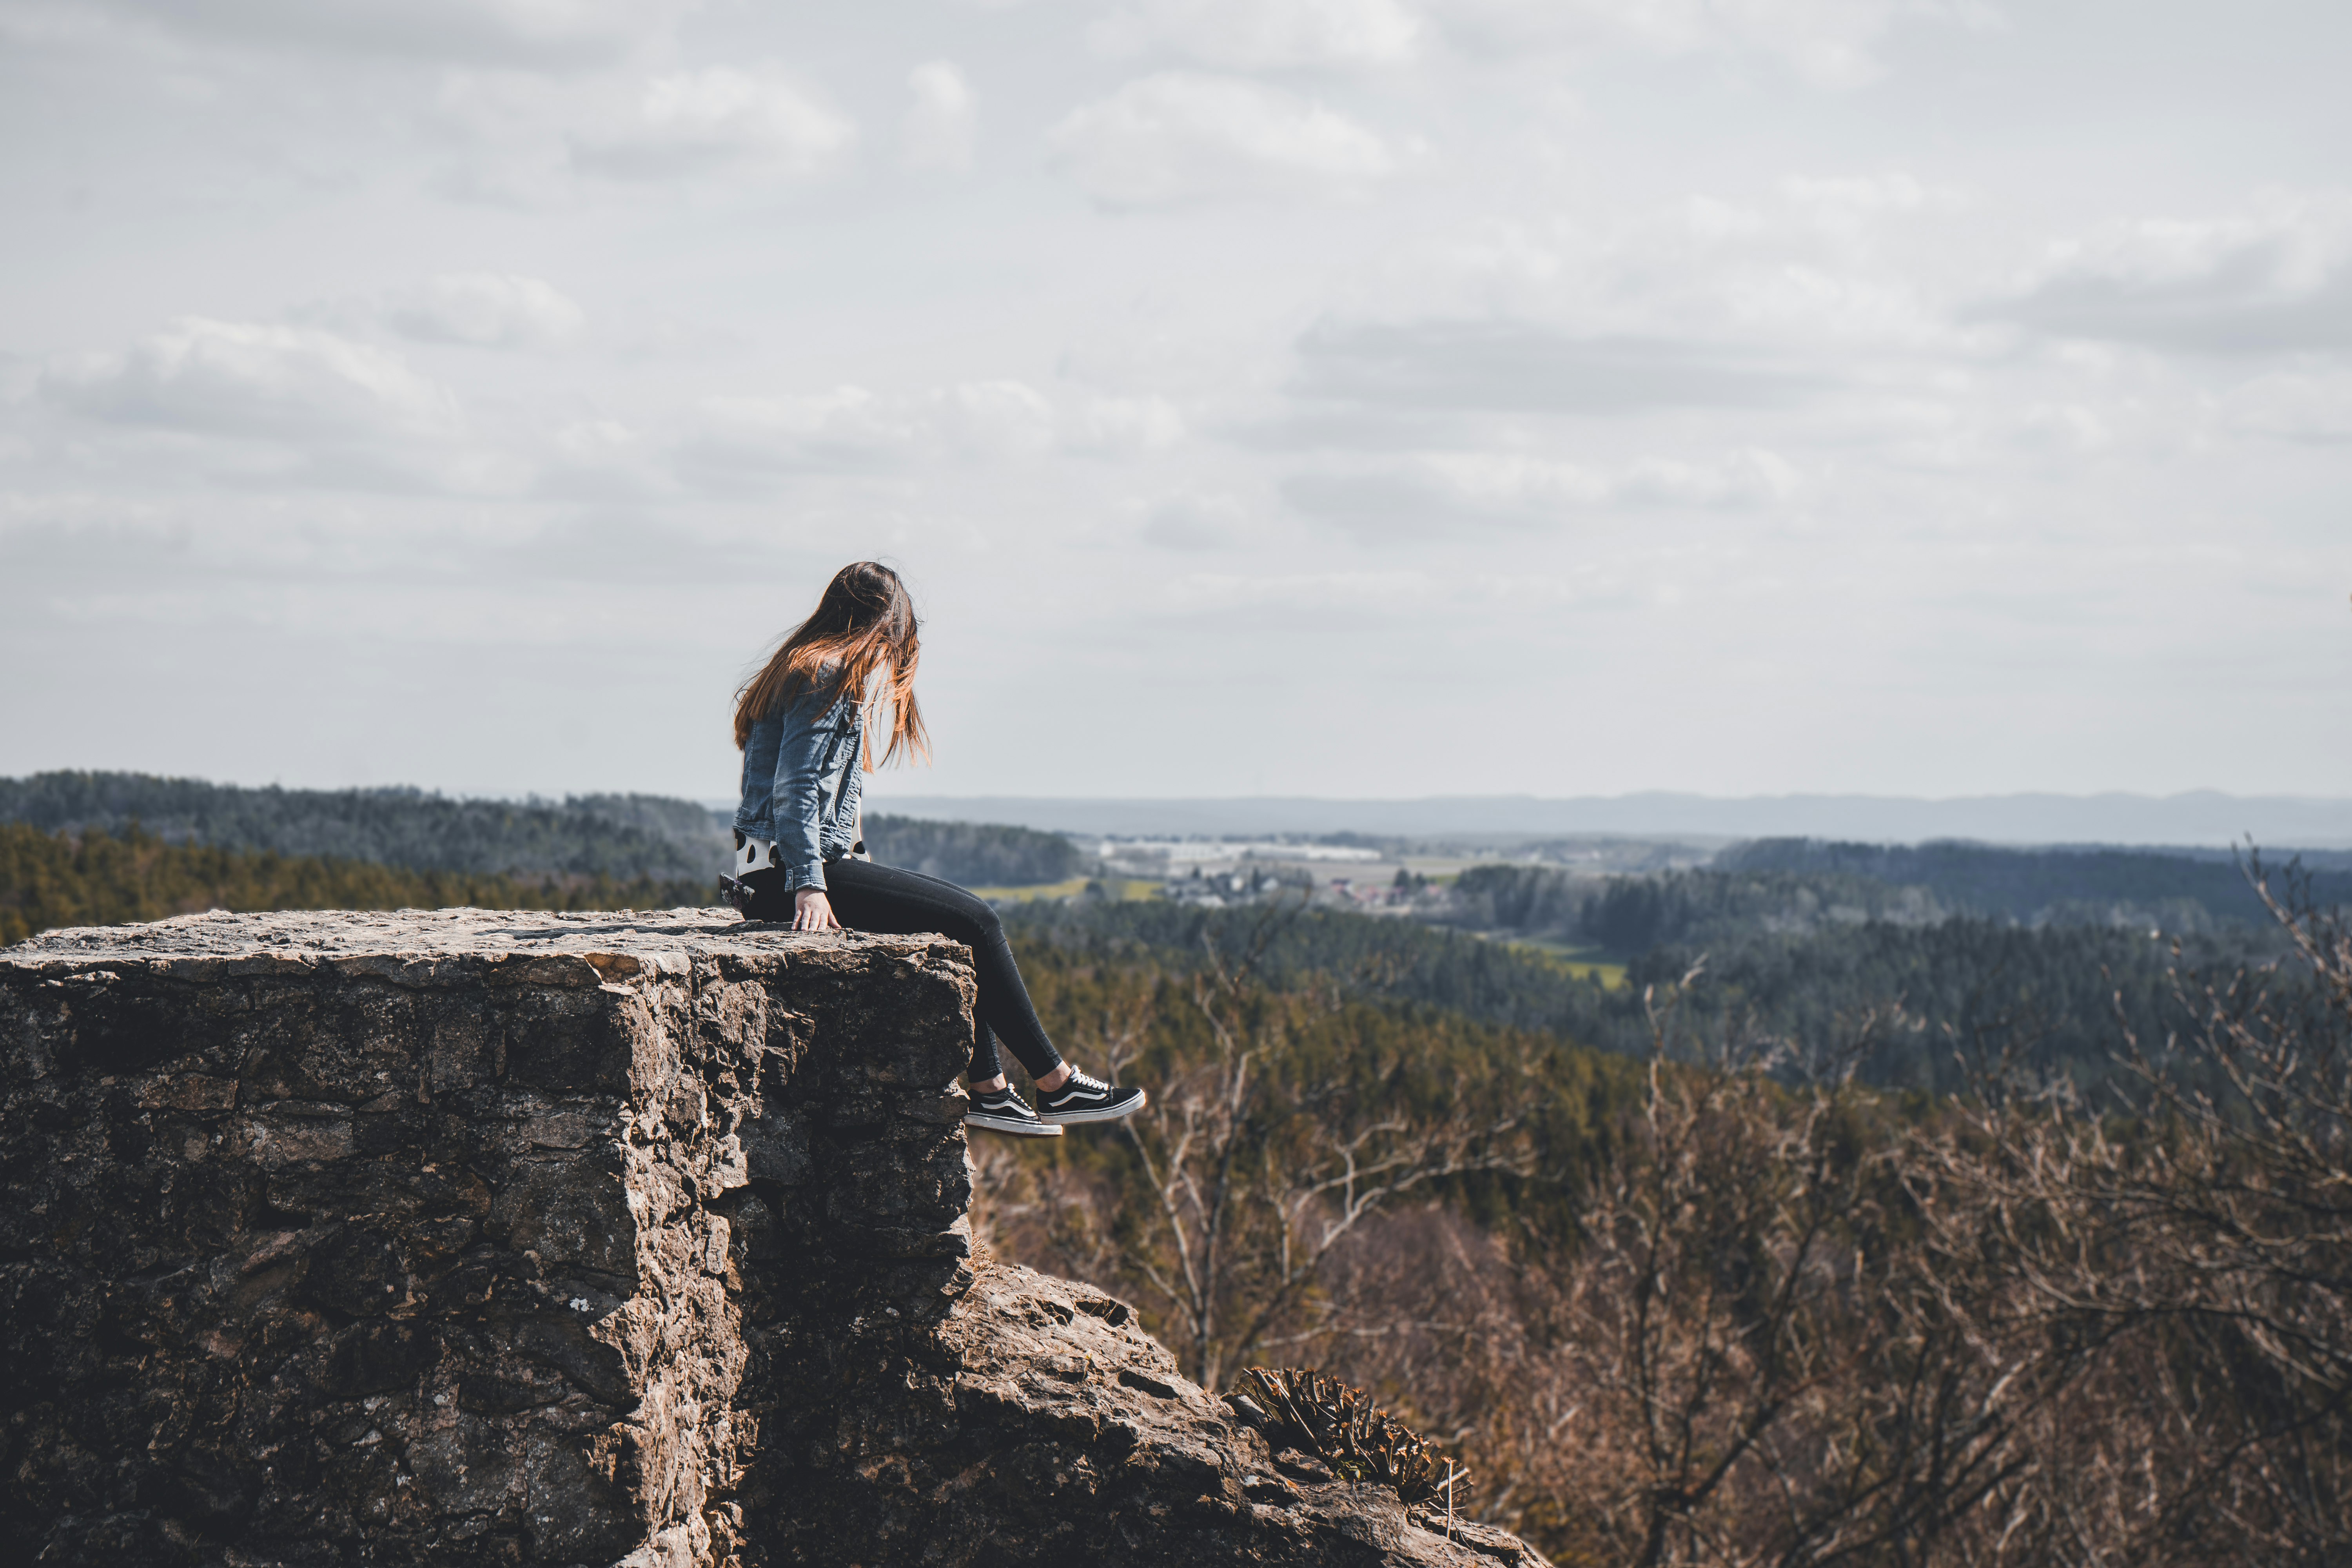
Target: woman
<point>799,857</point>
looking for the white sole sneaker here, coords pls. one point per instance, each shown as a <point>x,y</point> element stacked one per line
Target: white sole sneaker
<point>1009,1115</point>
<point>1088,1105</point>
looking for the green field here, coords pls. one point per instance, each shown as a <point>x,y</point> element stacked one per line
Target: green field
<point>1583,962</point>
<point>1129,890</point>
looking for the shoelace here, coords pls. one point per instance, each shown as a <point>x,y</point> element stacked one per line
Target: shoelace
<point>1081,1078</point>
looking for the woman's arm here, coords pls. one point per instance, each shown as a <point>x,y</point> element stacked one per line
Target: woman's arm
<point>798,794</point>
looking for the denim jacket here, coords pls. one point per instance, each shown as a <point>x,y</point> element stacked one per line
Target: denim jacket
<point>802,780</point>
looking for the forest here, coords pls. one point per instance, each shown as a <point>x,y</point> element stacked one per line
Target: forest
<point>1912,1206</point>
<point>1720,1301</point>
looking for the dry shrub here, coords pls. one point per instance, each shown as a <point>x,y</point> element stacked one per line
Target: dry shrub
<point>2191,1253</point>
<point>1736,1360</point>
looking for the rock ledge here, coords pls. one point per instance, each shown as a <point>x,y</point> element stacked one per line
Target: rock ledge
<point>472,1237</point>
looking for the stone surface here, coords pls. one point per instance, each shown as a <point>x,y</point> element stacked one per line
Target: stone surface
<point>466,1238</point>
<point>1039,1424</point>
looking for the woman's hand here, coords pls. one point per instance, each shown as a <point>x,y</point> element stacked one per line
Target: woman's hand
<point>812,910</point>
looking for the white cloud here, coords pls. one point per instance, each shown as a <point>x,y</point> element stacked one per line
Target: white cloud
<point>1116,426</point>
<point>596,441</point>
<point>1830,43</point>
<point>262,380</point>
<point>1178,138</point>
<point>603,461</point>
<point>693,121</point>
<point>1371,592</point>
<point>492,32</point>
<point>502,138</point>
<point>488,309</point>
<point>2276,279</point>
<point>943,120</point>
<point>1756,297</point>
<point>1500,364</point>
<point>1196,522</point>
<point>1862,193</point>
<point>268,407</point>
<point>1751,477</point>
<point>2068,429</point>
<point>1263,35</point>
<point>852,427</point>
<point>1493,482</point>
<point>2314,409</point>
<point>1416,497</point>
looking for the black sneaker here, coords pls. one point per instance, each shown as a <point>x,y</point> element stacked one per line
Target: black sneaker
<point>1084,1098</point>
<point>1002,1111</point>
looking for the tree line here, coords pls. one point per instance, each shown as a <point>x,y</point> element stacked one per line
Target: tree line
<point>1793,886</point>
<point>49,881</point>
<point>587,840</point>
<point>620,836</point>
<point>2058,993</point>
<point>2036,886</point>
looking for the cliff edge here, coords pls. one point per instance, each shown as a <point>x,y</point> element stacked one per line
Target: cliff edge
<point>470,1237</point>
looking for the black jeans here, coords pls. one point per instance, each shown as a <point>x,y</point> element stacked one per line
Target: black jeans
<point>867,897</point>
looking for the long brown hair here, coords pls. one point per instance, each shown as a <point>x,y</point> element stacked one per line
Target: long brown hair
<point>865,620</point>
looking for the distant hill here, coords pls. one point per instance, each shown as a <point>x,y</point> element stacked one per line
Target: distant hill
<point>620,838</point>
<point>2084,885</point>
<point>975,854</point>
<point>1794,886</point>
<point>2199,817</point>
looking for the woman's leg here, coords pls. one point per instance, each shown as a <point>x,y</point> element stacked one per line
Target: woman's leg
<point>867,897</point>
<point>771,899</point>
<point>987,1066</point>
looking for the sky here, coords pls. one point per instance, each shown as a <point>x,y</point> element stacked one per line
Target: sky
<point>1361,398</point>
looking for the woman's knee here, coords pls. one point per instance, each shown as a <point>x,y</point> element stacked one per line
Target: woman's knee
<point>968,920</point>
<point>962,906</point>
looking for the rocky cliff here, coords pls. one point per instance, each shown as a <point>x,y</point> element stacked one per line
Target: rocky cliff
<point>467,1237</point>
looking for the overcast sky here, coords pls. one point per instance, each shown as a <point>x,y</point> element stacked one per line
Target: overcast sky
<point>1352,397</point>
